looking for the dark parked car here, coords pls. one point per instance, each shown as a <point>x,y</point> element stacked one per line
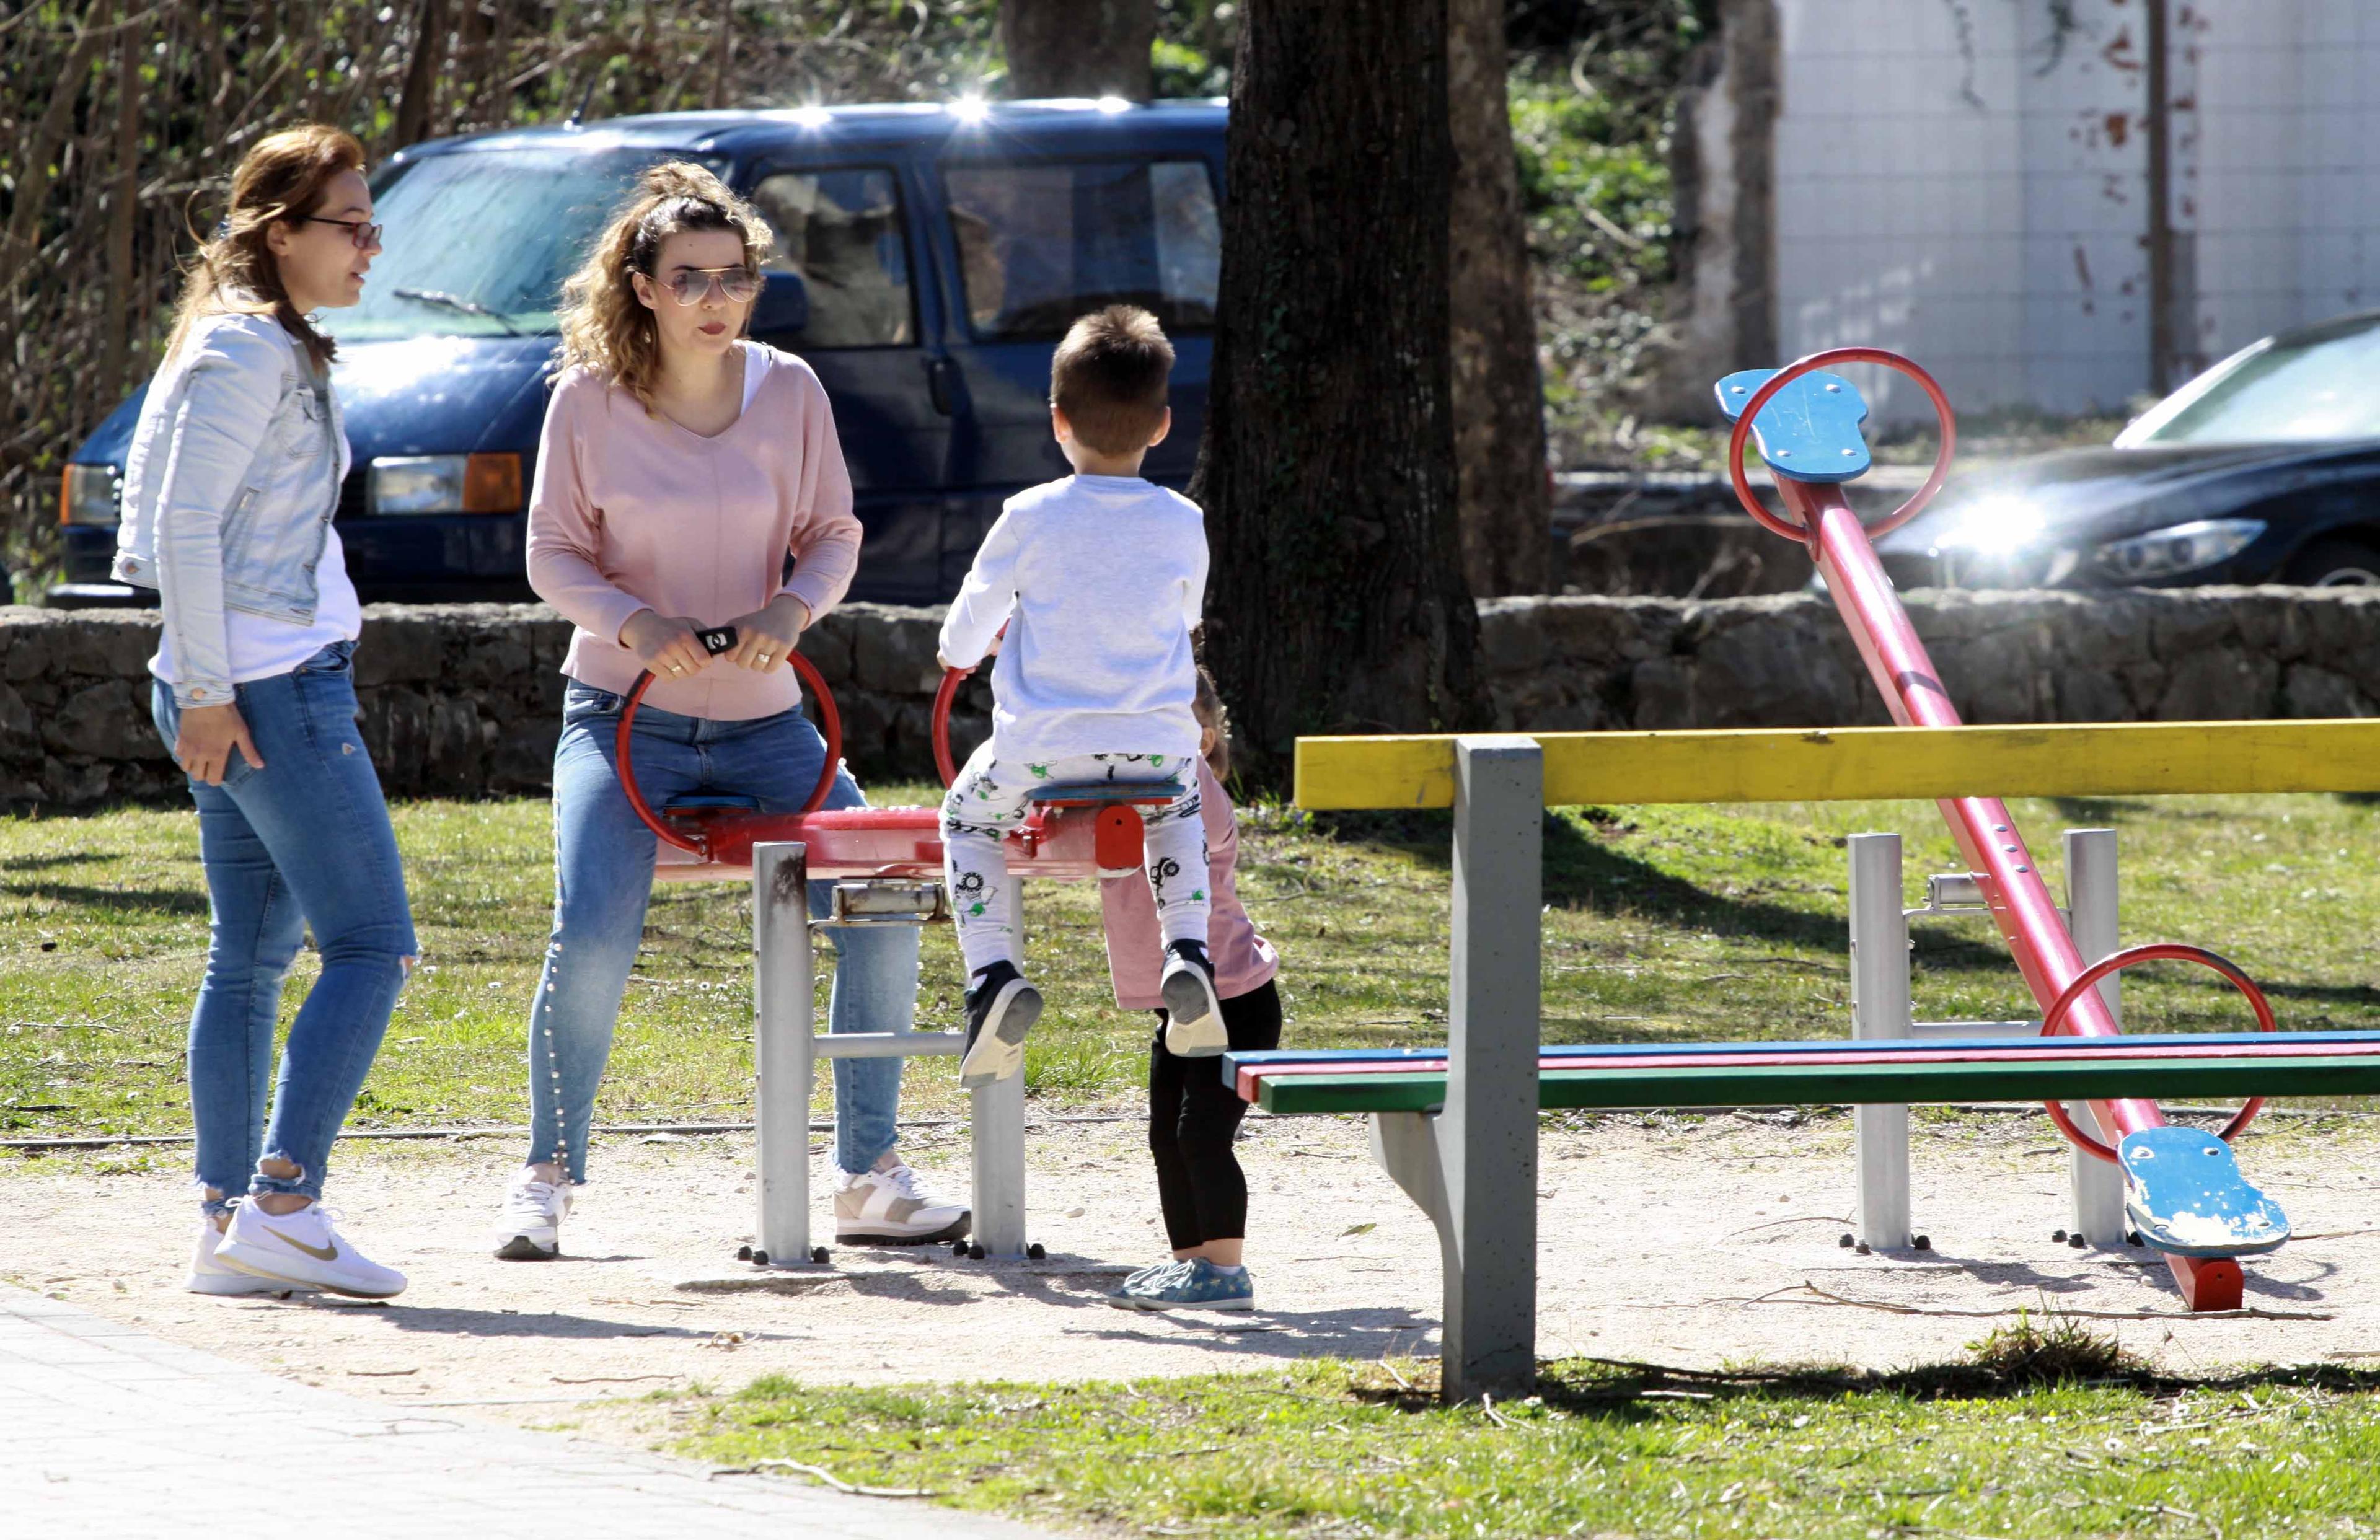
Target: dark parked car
<point>2264,469</point>
<point>928,259</point>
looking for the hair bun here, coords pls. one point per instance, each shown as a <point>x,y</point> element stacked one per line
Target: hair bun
<point>684,180</point>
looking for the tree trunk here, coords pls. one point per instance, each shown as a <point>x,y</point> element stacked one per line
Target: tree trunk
<point>1499,430</point>
<point>421,74</point>
<point>1078,47</point>
<point>1337,602</point>
<point>124,197</point>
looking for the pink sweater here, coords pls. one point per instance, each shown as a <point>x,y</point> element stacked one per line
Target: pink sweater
<point>1243,959</point>
<point>633,511</point>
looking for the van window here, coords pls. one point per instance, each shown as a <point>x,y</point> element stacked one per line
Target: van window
<point>480,241</point>
<point>1040,243</point>
<point>840,232</point>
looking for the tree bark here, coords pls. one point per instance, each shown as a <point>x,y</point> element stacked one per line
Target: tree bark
<point>422,73</point>
<point>1078,47</point>
<point>124,197</point>
<point>1499,432</point>
<point>1337,602</point>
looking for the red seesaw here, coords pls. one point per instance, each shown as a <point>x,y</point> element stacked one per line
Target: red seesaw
<point>1807,427</point>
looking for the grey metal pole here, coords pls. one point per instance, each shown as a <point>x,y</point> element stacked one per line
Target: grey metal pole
<point>1880,1009</point>
<point>997,1118</point>
<point>2091,901</point>
<point>1487,1135</point>
<point>783,1003</point>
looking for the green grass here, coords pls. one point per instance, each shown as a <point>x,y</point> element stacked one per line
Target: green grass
<point>1663,923</point>
<point>1603,1450</point>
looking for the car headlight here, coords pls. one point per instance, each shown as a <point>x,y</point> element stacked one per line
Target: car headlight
<point>2177,548</point>
<point>443,484</point>
<point>1994,525</point>
<point>90,494</point>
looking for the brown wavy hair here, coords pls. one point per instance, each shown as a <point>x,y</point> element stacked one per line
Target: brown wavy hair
<point>605,327</point>
<point>279,181</point>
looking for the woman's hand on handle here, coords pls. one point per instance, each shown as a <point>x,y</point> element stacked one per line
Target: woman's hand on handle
<point>765,638</point>
<point>666,645</point>
<point>208,736</point>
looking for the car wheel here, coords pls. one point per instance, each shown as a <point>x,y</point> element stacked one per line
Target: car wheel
<point>2333,565</point>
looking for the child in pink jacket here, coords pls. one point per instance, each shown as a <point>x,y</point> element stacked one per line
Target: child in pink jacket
<point>1193,1115</point>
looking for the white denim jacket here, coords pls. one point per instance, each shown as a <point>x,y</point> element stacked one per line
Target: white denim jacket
<point>229,490</point>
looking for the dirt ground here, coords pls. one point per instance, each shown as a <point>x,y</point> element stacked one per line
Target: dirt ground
<point>1688,1241</point>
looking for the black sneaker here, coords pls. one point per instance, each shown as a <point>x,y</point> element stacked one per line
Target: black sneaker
<point>1194,1017</point>
<point>1002,1008</point>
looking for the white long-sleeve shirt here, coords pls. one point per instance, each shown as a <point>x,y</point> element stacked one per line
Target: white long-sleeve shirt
<point>1099,579</point>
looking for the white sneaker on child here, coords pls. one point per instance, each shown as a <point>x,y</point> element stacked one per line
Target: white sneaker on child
<point>304,1248</point>
<point>532,1228</point>
<point>1194,1017</point>
<point>211,1277</point>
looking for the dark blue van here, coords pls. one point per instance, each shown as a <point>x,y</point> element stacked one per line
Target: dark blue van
<point>928,257</point>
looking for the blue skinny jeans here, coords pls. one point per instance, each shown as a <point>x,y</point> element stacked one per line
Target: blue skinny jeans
<point>603,879</point>
<point>304,840</point>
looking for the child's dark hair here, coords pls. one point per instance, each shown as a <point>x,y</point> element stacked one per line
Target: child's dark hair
<point>1109,377</point>
<point>1213,713</point>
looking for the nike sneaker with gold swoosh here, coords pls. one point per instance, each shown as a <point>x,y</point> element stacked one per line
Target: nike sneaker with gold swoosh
<point>211,1277</point>
<point>304,1249</point>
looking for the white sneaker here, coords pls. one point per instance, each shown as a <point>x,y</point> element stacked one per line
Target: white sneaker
<point>1194,1017</point>
<point>534,1209</point>
<point>304,1248</point>
<point>890,1208</point>
<point>211,1277</point>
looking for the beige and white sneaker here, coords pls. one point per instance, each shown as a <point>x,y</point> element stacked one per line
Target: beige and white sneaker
<point>304,1249</point>
<point>889,1208</point>
<point>211,1277</point>
<point>534,1209</point>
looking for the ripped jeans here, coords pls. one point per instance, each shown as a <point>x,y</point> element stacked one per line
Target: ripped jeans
<point>304,840</point>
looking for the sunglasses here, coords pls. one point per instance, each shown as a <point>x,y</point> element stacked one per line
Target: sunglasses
<point>365,235</point>
<point>692,285</point>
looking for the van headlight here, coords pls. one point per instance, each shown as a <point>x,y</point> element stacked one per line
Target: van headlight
<point>2177,548</point>
<point>90,494</point>
<point>443,484</point>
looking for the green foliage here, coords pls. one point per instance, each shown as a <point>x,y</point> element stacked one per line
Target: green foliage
<point>2056,1350</point>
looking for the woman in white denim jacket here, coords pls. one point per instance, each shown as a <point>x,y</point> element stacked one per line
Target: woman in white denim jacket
<point>229,490</point>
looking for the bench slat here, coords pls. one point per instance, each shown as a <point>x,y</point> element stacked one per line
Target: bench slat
<point>2071,1077</point>
<point>2205,1042</point>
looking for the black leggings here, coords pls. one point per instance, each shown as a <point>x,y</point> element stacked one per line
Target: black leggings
<point>1192,1117</point>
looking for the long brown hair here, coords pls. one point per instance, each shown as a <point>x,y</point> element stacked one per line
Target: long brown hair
<point>280,180</point>
<point>604,326</point>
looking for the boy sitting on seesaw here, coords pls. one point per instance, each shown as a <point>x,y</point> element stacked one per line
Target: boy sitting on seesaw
<point>1099,578</point>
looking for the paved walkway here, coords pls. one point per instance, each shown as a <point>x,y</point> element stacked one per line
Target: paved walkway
<point>112,1433</point>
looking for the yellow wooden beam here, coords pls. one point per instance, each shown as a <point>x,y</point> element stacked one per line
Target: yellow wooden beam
<point>1846,764</point>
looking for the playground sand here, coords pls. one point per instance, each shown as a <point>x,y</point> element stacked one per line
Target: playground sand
<point>1684,1240</point>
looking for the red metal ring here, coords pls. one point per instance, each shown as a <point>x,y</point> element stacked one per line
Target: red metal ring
<point>951,680</point>
<point>2175,951</point>
<point>830,727</point>
<point>1795,371</point>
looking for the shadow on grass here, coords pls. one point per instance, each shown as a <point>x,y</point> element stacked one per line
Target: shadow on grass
<point>156,901</point>
<point>65,858</point>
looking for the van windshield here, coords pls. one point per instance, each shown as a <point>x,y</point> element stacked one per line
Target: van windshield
<point>479,242</point>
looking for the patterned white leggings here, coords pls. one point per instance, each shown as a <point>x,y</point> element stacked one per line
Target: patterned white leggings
<point>989,800</point>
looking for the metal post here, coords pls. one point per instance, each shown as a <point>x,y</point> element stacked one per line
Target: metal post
<point>783,988</point>
<point>1880,1009</point>
<point>2091,902</point>
<point>1487,1135</point>
<point>998,1118</point>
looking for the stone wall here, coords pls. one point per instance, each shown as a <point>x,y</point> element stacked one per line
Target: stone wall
<point>465,699</point>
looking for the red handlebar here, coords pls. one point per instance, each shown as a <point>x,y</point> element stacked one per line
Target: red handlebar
<point>830,727</point>
<point>1795,371</point>
<point>951,680</point>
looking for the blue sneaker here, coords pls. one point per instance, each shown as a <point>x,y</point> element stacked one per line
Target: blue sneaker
<point>1196,1284</point>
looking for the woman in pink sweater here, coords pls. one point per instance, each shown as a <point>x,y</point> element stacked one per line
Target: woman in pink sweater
<point>1192,1114</point>
<point>689,478</point>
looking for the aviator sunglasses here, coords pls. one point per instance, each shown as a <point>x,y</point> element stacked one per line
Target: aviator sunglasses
<point>692,285</point>
<point>364,234</point>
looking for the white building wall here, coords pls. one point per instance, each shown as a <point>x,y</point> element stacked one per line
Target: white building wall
<point>1960,182</point>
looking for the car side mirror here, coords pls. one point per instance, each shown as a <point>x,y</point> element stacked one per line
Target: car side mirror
<point>783,305</point>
